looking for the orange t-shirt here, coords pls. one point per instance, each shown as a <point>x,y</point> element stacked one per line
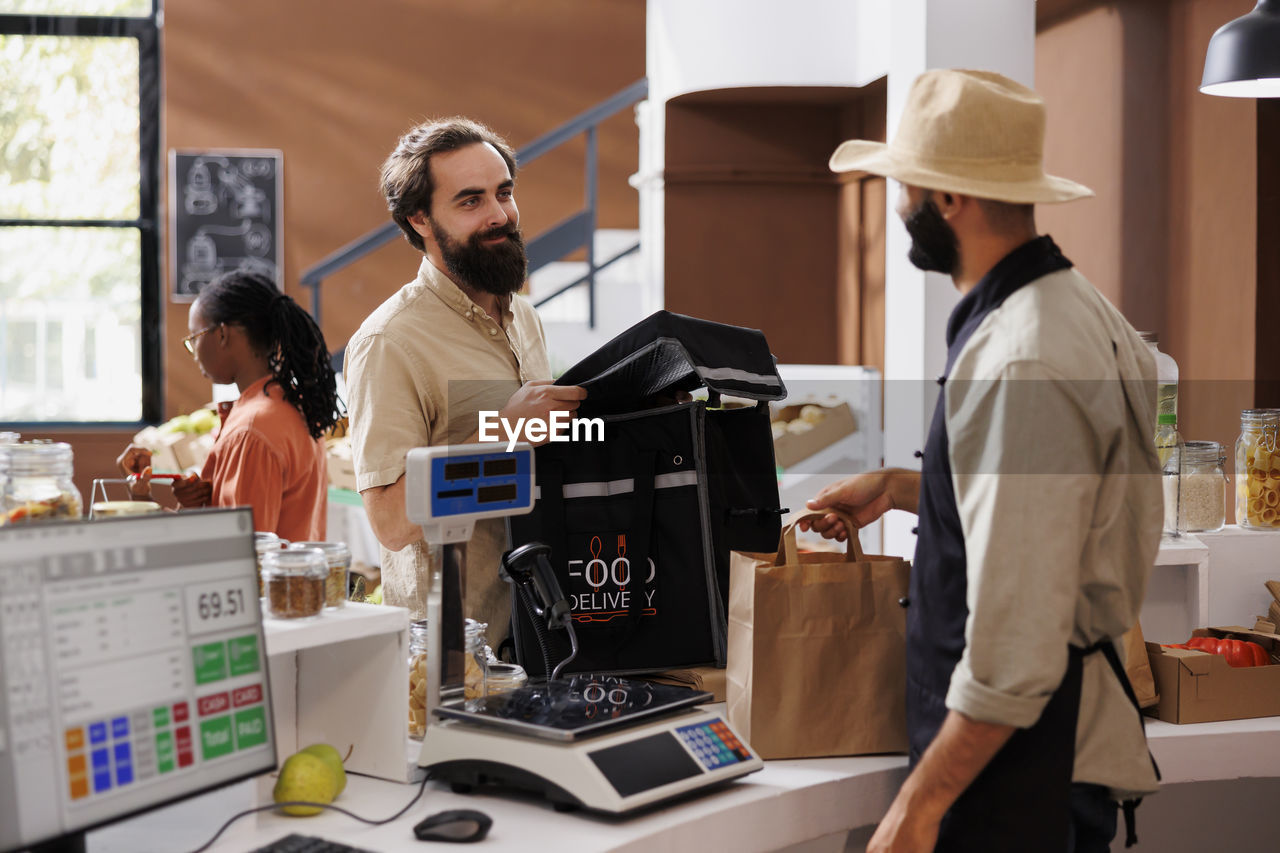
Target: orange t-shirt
<point>265,458</point>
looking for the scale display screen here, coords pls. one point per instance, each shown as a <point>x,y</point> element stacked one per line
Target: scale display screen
<point>582,706</point>
<point>463,484</point>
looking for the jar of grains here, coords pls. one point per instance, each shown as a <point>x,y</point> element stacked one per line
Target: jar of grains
<point>1201,496</point>
<point>418,679</point>
<point>1258,469</point>
<point>338,557</point>
<point>294,581</point>
<point>264,541</point>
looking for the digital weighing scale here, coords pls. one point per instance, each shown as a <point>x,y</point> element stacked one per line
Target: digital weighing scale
<point>601,743</point>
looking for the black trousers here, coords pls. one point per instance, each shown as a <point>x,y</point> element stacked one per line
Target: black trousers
<point>1093,819</point>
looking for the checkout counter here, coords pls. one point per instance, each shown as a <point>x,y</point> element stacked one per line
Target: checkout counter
<point>819,805</point>
<point>1219,778</point>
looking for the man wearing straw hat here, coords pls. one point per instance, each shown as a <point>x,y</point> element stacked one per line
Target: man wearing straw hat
<point>1034,543</point>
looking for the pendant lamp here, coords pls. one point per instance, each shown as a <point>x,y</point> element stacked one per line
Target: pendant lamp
<point>1243,59</point>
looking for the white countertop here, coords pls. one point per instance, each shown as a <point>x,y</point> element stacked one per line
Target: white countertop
<point>786,803</point>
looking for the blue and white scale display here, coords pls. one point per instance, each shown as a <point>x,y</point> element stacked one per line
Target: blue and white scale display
<point>480,482</point>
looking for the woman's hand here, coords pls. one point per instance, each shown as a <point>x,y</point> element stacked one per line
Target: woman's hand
<point>135,464</point>
<point>140,485</point>
<point>192,492</point>
<point>134,459</point>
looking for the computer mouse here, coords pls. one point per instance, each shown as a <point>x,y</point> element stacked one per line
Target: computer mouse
<point>461,826</point>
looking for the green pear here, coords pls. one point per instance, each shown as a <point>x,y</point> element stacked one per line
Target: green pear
<point>333,759</point>
<point>203,420</point>
<point>180,423</point>
<point>305,777</point>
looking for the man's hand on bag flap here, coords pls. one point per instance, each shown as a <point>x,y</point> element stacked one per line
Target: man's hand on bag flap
<point>864,498</point>
<point>539,398</point>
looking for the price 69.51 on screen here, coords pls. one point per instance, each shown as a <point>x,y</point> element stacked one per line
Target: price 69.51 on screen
<point>219,605</point>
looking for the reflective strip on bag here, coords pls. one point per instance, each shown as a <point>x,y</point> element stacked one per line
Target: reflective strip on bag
<point>602,489</point>
<point>733,374</point>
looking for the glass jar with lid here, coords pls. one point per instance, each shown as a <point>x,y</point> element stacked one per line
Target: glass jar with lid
<point>1169,450</point>
<point>338,558</point>
<point>501,677</point>
<point>1202,489</point>
<point>1166,377</point>
<point>1258,470</point>
<point>418,679</point>
<point>294,582</point>
<point>264,541</point>
<point>38,486</point>
<point>474,664</point>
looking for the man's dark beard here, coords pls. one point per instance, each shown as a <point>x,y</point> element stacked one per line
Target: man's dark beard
<point>499,269</point>
<point>934,247</point>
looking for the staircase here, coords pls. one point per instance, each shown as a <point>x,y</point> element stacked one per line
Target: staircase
<point>621,299</point>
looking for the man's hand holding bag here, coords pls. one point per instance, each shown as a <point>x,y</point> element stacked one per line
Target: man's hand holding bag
<point>817,650</point>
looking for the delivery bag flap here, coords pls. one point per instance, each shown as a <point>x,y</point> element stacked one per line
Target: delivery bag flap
<point>666,353</point>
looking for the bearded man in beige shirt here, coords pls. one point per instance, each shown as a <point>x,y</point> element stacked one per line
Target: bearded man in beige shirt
<point>455,341</point>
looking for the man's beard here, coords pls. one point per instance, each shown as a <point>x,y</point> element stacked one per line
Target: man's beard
<point>934,247</point>
<point>500,269</point>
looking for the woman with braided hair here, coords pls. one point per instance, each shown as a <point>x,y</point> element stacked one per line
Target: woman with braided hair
<point>268,453</point>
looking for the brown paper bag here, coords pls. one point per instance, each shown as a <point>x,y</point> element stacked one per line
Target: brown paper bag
<point>1138,668</point>
<point>817,651</point>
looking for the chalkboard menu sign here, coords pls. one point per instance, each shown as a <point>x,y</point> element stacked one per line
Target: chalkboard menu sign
<point>224,214</point>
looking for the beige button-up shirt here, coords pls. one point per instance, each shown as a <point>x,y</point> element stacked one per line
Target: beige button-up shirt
<point>1057,486</point>
<point>419,370</point>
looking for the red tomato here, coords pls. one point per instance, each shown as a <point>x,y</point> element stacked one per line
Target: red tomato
<point>1238,653</point>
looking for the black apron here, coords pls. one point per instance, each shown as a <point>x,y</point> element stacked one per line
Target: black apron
<point>1021,800</point>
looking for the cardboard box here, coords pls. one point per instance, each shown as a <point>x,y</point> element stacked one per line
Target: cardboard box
<point>791,447</point>
<point>1197,687</point>
<point>174,451</point>
<point>1271,622</point>
<point>342,468</point>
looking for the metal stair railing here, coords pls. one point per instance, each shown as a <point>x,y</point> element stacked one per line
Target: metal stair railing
<point>574,232</point>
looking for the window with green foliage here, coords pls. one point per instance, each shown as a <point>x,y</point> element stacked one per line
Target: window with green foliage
<point>79,244</point>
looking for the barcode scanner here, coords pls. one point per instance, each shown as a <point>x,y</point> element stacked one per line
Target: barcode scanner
<point>460,826</point>
<point>528,566</point>
<point>528,569</point>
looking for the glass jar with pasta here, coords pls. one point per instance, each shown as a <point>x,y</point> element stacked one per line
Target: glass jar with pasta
<point>1258,470</point>
<point>418,636</point>
<point>38,485</point>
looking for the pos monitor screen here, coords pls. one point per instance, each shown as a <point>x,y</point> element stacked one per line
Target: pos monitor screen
<point>133,669</point>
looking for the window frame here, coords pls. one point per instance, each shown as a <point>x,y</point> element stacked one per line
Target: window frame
<point>146,31</point>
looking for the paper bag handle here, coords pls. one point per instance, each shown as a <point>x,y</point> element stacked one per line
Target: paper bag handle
<point>789,552</point>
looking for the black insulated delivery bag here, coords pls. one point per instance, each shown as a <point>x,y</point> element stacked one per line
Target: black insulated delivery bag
<point>640,525</point>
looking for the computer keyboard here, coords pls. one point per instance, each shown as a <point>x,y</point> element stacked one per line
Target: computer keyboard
<point>295,843</point>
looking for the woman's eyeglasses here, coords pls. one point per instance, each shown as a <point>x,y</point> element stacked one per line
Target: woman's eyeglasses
<point>190,340</point>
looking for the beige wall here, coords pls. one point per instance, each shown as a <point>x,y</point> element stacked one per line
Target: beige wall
<point>1171,237</point>
<point>1213,231</point>
<point>1078,71</point>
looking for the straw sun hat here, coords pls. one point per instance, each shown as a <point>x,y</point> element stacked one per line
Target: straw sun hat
<point>974,133</point>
